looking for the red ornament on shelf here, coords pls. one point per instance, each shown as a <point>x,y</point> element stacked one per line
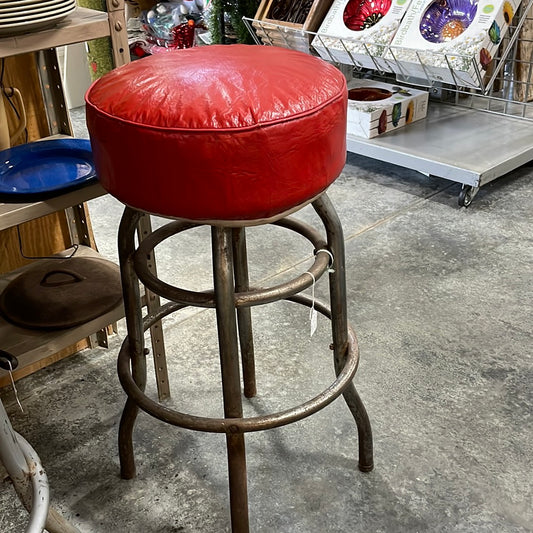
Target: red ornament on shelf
<point>183,35</point>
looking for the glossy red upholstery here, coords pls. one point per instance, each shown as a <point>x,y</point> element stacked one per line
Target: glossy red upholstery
<point>219,133</point>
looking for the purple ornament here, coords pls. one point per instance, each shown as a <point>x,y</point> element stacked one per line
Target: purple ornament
<point>444,20</point>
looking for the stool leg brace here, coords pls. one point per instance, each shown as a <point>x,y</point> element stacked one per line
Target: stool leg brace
<point>230,282</point>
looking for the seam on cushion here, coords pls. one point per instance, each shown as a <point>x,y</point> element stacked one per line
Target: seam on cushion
<point>303,114</point>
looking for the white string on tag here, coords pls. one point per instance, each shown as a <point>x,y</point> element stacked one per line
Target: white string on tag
<point>13,385</point>
<point>313,315</point>
<point>331,259</point>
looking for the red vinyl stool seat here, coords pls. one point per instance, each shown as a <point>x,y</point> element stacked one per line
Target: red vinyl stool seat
<point>182,134</point>
<point>228,136</point>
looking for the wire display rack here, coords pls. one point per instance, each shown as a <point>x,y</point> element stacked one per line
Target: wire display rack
<point>473,133</point>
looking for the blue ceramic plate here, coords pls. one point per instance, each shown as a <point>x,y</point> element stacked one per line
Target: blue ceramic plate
<point>42,169</point>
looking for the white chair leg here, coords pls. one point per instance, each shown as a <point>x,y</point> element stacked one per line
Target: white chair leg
<point>29,479</point>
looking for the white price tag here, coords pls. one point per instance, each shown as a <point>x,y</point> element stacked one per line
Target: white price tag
<point>314,320</point>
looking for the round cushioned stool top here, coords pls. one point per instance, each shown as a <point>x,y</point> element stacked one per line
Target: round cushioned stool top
<point>231,133</point>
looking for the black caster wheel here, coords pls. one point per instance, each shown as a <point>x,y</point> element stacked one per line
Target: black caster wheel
<point>465,197</point>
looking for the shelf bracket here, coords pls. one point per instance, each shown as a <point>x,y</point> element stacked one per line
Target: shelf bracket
<point>153,303</point>
<point>52,91</point>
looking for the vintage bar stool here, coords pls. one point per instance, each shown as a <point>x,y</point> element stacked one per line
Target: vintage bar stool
<point>228,136</point>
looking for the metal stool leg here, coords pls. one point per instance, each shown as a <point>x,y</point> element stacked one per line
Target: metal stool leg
<point>231,384</point>
<point>244,314</point>
<point>133,312</point>
<point>339,324</point>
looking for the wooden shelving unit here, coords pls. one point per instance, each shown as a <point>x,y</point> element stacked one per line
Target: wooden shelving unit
<point>35,348</point>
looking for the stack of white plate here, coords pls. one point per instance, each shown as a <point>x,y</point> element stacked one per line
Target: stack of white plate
<point>23,16</point>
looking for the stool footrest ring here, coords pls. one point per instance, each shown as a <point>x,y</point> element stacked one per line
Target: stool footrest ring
<point>245,424</point>
<point>322,262</point>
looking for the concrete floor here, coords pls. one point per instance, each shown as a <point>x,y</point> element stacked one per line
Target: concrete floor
<point>441,299</point>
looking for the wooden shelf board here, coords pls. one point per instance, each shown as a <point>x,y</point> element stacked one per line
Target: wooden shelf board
<point>81,25</point>
<point>14,214</point>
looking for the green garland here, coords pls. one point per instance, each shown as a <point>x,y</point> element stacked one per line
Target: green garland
<point>235,9</point>
<point>99,50</point>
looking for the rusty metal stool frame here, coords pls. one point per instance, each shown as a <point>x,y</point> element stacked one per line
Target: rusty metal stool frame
<point>232,299</point>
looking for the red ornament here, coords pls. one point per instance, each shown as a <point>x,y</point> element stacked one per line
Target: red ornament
<point>362,14</point>
<point>183,35</point>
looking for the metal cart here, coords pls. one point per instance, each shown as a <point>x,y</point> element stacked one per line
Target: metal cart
<point>470,135</point>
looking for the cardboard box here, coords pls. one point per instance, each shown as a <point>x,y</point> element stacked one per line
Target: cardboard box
<point>463,59</point>
<point>335,41</point>
<point>375,108</point>
<point>284,33</point>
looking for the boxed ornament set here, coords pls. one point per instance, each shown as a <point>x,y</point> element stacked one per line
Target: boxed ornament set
<point>452,41</point>
<point>359,30</point>
<point>375,108</point>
